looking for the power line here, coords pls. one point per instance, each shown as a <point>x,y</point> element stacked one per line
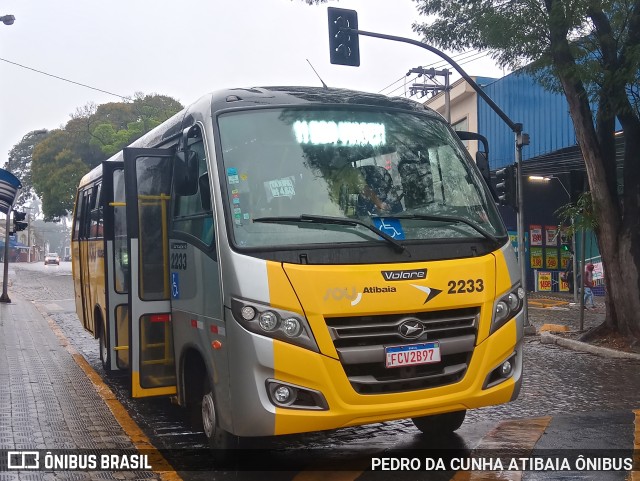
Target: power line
<point>65,79</point>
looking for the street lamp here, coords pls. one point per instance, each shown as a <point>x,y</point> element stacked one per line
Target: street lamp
<point>7,19</point>
<point>548,178</point>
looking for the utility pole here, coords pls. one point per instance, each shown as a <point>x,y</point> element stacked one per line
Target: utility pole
<point>434,88</point>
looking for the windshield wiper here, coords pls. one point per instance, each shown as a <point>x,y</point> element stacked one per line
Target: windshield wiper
<point>447,218</point>
<point>322,219</point>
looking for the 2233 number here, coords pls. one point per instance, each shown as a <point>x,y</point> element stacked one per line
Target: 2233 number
<point>463,287</point>
<point>179,261</point>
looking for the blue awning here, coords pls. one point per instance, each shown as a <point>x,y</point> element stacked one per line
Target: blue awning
<point>9,187</point>
<point>13,243</point>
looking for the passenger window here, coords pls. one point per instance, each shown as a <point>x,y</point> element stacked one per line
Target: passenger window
<point>192,214</point>
<point>97,213</point>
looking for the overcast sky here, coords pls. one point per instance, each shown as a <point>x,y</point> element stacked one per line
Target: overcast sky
<point>185,49</point>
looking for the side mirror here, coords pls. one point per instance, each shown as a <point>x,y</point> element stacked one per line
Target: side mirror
<point>185,173</point>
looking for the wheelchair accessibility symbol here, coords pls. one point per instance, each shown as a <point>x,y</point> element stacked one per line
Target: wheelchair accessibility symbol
<point>175,285</point>
<point>389,226</point>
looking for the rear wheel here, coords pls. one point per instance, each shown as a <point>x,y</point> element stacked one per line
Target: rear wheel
<point>105,357</point>
<point>440,423</point>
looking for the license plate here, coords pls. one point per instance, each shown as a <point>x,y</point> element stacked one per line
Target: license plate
<point>412,355</point>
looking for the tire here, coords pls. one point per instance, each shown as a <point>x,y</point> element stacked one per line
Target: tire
<point>204,413</point>
<point>440,423</point>
<point>105,354</point>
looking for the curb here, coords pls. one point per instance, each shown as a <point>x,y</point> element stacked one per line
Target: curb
<point>548,338</point>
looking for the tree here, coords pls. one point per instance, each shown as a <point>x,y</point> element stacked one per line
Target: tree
<point>93,134</point>
<point>19,164</point>
<point>56,172</point>
<point>590,49</point>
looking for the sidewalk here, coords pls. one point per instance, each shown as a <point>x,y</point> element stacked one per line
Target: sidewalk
<point>46,400</point>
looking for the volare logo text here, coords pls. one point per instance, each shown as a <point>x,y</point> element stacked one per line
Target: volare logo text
<point>414,274</point>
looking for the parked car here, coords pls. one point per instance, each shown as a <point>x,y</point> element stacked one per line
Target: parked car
<point>52,258</point>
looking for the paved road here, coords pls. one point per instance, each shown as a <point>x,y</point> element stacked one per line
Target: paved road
<point>587,401</point>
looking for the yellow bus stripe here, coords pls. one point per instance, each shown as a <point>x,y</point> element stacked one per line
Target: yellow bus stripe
<point>160,465</point>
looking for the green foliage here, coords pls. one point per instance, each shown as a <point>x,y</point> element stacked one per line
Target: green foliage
<point>19,164</point>
<point>580,212</point>
<point>56,172</point>
<point>94,133</point>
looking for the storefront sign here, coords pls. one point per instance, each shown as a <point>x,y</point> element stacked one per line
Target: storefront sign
<point>536,235</point>
<point>544,281</point>
<point>551,235</point>
<point>536,257</point>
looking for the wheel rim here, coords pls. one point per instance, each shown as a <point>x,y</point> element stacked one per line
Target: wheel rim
<point>208,415</point>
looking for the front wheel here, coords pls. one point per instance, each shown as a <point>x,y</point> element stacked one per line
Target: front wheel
<point>445,423</point>
<point>217,437</point>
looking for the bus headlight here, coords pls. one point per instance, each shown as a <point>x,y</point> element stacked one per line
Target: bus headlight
<point>507,306</point>
<point>268,321</point>
<point>292,327</point>
<point>279,324</point>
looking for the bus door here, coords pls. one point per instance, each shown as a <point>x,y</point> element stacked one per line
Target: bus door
<point>117,265</point>
<point>83,220</point>
<point>148,175</point>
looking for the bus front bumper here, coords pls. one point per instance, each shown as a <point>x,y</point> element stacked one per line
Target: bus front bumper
<point>341,406</point>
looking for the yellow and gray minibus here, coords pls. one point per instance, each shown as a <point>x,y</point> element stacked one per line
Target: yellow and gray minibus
<point>292,259</point>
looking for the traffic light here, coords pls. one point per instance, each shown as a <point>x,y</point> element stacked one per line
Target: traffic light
<point>18,221</point>
<point>506,186</point>
<point>344,46</point>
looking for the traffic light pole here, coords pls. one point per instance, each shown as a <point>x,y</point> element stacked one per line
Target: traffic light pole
<point>521,140</point>
<point>522,254</point>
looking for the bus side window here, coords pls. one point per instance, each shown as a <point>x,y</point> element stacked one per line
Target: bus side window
<point>97,214</point>
<point>192,214</point>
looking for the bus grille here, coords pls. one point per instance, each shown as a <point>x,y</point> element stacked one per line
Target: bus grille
<point>360,342</point>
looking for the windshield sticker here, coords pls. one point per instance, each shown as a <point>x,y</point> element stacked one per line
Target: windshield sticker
<point>280,187</point>
<point>391,227</point>
<point>232,171</point>
<point>244,176</point>
<point>234,179</point>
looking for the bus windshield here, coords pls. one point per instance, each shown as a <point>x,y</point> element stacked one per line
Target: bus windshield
<point>403,173</point>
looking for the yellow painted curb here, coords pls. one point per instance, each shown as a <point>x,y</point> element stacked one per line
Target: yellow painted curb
<point>554,328</point>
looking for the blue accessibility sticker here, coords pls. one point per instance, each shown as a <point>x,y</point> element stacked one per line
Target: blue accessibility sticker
<point>175,285</point>
<point>389,226</point>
